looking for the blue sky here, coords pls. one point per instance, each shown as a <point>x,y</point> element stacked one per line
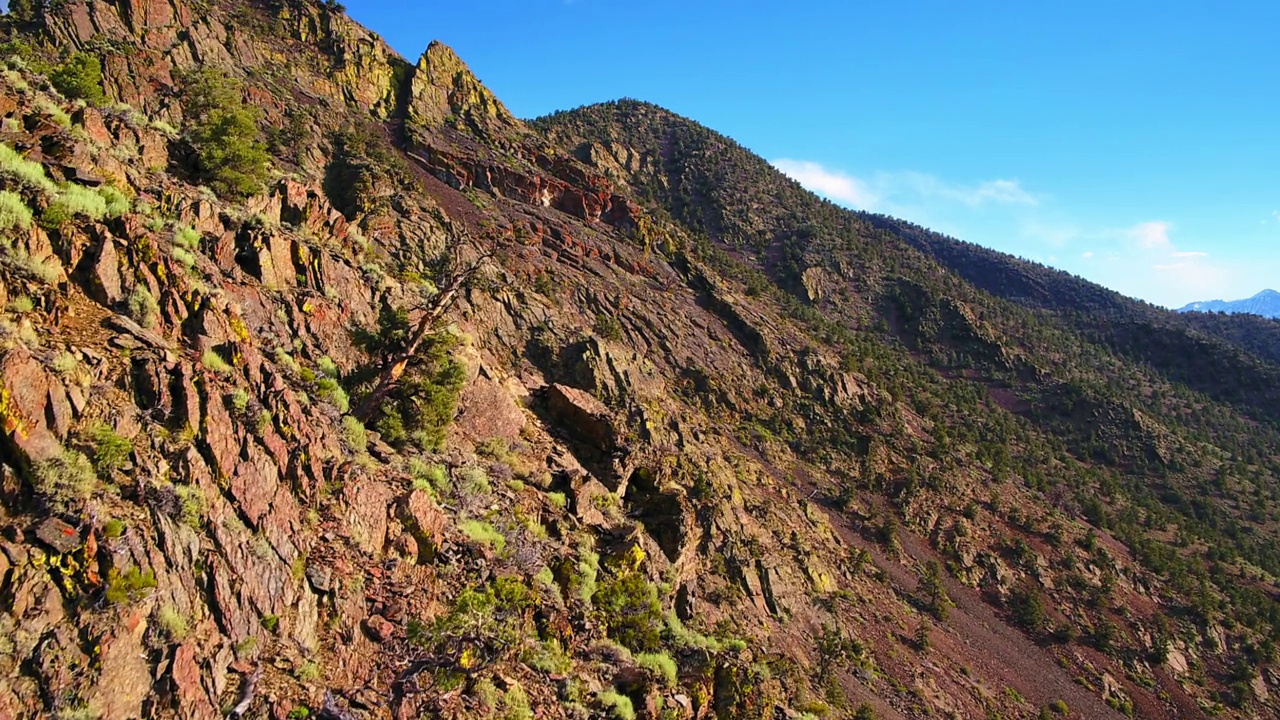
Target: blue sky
<point>1136,144</point>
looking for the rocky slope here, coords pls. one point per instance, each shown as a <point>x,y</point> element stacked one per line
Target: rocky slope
<point>654,461</point>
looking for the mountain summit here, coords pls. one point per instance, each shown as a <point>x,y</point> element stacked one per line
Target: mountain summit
<point>1265,303</point>
<point>329,388</point>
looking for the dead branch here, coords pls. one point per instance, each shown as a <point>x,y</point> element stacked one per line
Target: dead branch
<point>428,325</point>
<point>247,690</point>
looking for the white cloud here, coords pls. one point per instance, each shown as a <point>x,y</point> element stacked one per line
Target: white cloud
<point>1146,259</point>
<point>1151,235</point>
<point>829,183</point>
<point>1002,191</point>
<point>896,191</point>
<point>999,192</point>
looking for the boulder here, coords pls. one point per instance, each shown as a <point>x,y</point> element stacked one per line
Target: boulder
<point>58,535</point>
<point>586,418</point>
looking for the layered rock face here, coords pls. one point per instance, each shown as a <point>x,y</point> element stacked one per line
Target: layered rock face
<point>659,491</point>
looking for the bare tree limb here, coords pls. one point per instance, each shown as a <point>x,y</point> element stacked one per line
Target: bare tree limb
<point>330,710</point>
<point>248,689</point>
<point>428,325</point>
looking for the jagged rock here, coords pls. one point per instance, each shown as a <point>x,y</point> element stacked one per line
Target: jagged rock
<point>442,86</point>
<point>379,628</point>
<point>686,601</point>
<point>321,578</point>
<point>664,512</point>
<point>487,409</point>
<point>246,502</point>
<point>366,513</point>
<point>589,496</point>
<point>426,521</point>
<point>124,673</point>
<point>58,535</point>
<point>37,607</point>
<point>586,418</point>
<point>28,392</point>
<point>104,272</point>
<point>59,661</point>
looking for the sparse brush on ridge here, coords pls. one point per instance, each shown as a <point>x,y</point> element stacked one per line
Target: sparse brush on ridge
<point>14,213</point>
<point>223,131</point>
<point>30,174</point>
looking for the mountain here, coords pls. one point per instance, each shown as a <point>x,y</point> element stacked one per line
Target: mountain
<point>329,388</point>
<point>1265,303</point>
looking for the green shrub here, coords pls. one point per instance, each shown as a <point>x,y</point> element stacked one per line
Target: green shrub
<point>172,622</point>
<point>661,665</point>
<point>549,657</point>
<point>191,505</point>
<point>55,113</point>
<point>110,449</point>
<point>79,711</point>
<point>73,200</point>
<point>129,585</point>
<point>247,647</point>
<point>328,367</point>
<point>583,581</point>
<point>607,327</point>
<point>421,407</point>
<point>185,236</point>
<point>113,529</point>
<point>354,433</point>
<point>79,77</point>
<point>117,203</point>
<point>629,606</point>
<point>21,304</point>
<point>1028,609</point>
<point>515,705</point>
<point>213,362</point>
<point>184,257</point>
<point>29,173</point>
<point>473,481</point>
<point>284,359</point>
<point>1059,707</point>
<point>617,705</point>
<point>558,500</point>
<point>14,213</point>
<point>223,131</point>
<point>482,533</point>
<point>43,271</point>
<point>425,476</point>
<point>308,672</point>
<point>934,592</point>
<point>143,307</point>
<point>65,481</point>
<point>683,637</point>
<point>270,623</point>
<point>328,389</point>
<point>67,365</point>
<point>239,400</point>
<point>493,619</point>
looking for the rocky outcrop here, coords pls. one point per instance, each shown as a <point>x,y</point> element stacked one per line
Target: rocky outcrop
<point>651,450</point>
<point>584,417</point>
<point>443,89</point>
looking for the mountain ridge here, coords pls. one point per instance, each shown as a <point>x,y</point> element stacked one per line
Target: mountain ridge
<point>670,437</point>
<point>1265,303</point>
